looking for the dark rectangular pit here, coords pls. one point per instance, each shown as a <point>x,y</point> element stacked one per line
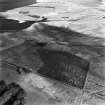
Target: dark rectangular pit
<point>64,67</point>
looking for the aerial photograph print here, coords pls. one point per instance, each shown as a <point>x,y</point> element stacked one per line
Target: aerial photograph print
<point>52,52</point>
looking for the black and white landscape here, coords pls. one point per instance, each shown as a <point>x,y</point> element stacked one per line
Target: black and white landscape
<point>57,59</point>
